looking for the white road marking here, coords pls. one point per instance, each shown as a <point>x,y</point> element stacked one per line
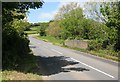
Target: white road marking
<point>94,68</point>
<point>56,51</point>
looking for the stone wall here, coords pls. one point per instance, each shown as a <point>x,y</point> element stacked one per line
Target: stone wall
<point>77,43</point>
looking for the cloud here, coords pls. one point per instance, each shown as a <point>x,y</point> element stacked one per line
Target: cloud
<point>47,15</point>
<point>50,15</point>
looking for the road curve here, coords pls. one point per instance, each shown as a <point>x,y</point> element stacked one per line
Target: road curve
<point>58,63</point>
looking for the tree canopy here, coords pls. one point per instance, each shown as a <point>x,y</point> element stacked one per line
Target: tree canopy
<point>14,41</point>
<point>111,11</point>
<point>98,23</point>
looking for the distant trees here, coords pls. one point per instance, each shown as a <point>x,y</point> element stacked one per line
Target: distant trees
<point>39,27</point>
<point>42,28</point>
<point>54,29</point>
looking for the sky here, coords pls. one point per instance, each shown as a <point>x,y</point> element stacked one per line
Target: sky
<point>43,14</point>
<point>46,13</point>
<point>49,9</point>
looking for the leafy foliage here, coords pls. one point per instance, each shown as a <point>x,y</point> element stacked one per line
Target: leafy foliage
<point>43,27</point>
<point>76,26</point>
<point>71,22</point>
<point>112,12</point>
<point>15,47</point>
<point>54,29</point>
<point>100,28</point>
<point>20,25</point>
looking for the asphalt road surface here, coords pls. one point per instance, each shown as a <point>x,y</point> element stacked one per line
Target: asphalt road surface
<point>58,63</point>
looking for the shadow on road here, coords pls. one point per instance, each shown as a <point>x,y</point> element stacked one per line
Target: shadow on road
<point>47,66</point>
<point>54,65</point>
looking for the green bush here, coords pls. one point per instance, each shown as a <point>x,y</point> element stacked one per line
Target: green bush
<point>112,53</point>
<point>94,45</point>
<point>15,49</point>
<point>78,38</point>
<point>102,47</point>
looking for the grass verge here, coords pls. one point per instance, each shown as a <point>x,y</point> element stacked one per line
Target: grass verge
<point>25,71</point>
<point>99,53</point>
<point>15,75</point>
<point>59,42</point>
<point>51,39</point>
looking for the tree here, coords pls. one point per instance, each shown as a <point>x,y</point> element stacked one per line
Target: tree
<point>69,16</point>
<point>54,29</point>
<point>108,13</point>
<point>112,12</point>
<point>65,9</point>
<point>92,11</point>
<point>20,25</point>
<point>15,45</point>
<point>76,26</point>
<point>43,27</point>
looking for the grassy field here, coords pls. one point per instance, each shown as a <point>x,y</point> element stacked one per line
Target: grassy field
<point>31,32</point>
<point>100,53</point>
<point>36,28</point>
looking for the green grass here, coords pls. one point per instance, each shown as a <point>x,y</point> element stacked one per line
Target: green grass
<point>36,28</point>
<point>51,39</point>
<point>31,32</point>
<point>0,75</point>
<point>100,53</point>
<point>105,54</point>
<point>15,75</point>
<point>27,71</point>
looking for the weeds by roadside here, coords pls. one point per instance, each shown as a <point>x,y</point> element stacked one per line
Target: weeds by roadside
<point>100,53</point>
<point>15,75</point>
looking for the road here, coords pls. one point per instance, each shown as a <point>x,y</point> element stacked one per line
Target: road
<point>58,63</point>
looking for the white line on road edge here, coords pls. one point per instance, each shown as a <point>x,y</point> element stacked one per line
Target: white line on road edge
<point>94,68</point>
<point>56,51</point>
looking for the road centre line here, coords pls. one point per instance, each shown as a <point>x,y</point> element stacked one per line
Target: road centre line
<point>56,51</point>
<point>94,68</point>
